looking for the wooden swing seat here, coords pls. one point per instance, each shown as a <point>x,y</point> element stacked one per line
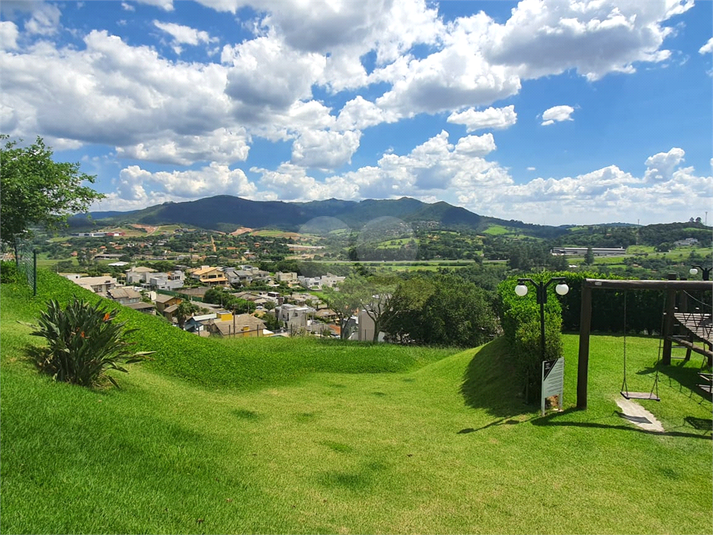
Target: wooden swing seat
<point>640,395</point>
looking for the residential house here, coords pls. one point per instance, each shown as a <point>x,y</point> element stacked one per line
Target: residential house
<point>288,277</point>
<point>210,276</point>
<point>296,318</point>
<point>581,251</point>
<point>167,281</point>
<point>198,324</point>
<point>138,274</point>
<point>241,325</point>
<point>165,301</point>
<point>98,285</point>
<point>688,242</point>
<point>124,295</point>
<point>238,276</point>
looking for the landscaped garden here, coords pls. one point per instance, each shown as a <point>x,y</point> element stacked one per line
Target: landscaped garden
<point>310,436</point>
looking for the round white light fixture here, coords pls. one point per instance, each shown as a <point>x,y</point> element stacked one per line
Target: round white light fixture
<point>693,271</point>
<point>521,290</point>
<point>562,289</point>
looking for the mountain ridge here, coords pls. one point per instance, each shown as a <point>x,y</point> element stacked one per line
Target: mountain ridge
<point>227,212</point>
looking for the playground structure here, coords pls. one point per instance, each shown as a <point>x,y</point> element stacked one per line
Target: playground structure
<point>697,325</point>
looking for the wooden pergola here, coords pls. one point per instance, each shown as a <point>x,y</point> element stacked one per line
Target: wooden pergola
<point>670,286</point>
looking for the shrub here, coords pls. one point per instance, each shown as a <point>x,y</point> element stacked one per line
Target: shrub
<point>520,317</point>
<point>9,273</point>
<point>84,341</point>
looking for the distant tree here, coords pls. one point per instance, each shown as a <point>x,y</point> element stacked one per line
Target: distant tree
<point>37,191</point>
<point>372,295</point>
<point>589,256</point>
<point>185,310</point>
<point>343,303</point>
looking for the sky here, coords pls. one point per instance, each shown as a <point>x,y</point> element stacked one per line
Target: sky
<point>544,111</point>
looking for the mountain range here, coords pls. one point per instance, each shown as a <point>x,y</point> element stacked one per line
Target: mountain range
<point>226,213</point>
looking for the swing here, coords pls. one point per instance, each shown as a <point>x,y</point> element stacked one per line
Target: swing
<point>654,394</point>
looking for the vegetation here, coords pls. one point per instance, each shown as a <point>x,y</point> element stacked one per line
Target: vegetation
<point>36,191</point>
<point>522,328</point>
<point>84,341</point>
<point>441,310</point>
<point>284,436</point>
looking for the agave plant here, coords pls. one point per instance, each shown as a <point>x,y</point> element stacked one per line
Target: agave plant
<point>84,341</point>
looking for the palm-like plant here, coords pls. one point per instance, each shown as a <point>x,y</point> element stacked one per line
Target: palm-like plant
<point>84,341</point>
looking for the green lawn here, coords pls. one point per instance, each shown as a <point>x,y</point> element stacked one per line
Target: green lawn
<point>266,437</point>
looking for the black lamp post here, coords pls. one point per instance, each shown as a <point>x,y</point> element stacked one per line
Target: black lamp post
<point>706,272</point>
<point>541,287</point>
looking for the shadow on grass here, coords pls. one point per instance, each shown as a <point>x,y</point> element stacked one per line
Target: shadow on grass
<point>556,420</point>
<point>490,383</point>
<point>684,377</point>
<point>496,423</point>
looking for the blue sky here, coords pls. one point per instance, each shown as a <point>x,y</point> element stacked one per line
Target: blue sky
<point>551,112</point>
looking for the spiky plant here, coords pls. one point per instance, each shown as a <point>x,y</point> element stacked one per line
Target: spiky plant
<point>84,341</point>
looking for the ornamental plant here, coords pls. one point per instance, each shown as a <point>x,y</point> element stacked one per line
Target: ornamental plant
<point>84,341</point>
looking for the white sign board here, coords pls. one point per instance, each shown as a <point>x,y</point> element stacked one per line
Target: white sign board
<point>552,381</point>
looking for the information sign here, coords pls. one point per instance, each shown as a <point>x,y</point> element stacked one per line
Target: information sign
<point>552,381</point>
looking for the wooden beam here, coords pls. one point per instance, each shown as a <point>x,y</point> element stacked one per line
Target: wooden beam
<point>611,284</point>
<point>585,324</point>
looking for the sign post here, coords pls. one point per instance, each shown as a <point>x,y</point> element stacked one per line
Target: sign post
<point>552,381</point>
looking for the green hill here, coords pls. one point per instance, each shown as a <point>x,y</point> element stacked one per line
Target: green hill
<point>284,436</point>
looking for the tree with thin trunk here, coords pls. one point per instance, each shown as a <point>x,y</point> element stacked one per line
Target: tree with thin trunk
<point>36,191</point>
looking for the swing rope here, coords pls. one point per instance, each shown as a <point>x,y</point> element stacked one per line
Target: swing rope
<point>654,393</point>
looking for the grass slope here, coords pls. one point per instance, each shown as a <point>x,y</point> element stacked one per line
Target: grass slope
<point>441,443</point>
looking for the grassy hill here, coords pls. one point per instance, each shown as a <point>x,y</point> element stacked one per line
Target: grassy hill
<point>286,436</point>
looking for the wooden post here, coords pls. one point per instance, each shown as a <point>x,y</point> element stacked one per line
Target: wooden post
<point>585,325</point>
<point>668,326</point>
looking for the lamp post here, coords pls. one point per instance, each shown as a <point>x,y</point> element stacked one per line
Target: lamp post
<point>541,288</point>
<point>706,272</point>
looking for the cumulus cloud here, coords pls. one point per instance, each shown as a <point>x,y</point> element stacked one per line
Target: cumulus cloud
<point>8,35</point>
<point>707,48</point>
<point>44,21</point>
<point>661,166</point>
<point>608,194</point>
<point>495,118</point>
<point>222,146</point>
<point>265,73</point>
<point>214,179</point>
<point>321,149</point>
<point>595,38</point>
<point>184,35</point>
<point>557,114</point>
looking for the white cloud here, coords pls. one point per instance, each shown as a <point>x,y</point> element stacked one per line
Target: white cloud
<point>127,7</point>
<point>476,145</point>
<point>321,149</point>
<point>214,179</point>
<point>119,95</point>
<point>184,35</point>
<point>495,118</point>
<point>44,20</point>
<point>557,114</point>
<point>661,166</point>
<point>707,48</point>
<point>166,5</point>
<point>8,35</point>
<point>221,146</point>
<point>595,38</point>
<point>265,73</point>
